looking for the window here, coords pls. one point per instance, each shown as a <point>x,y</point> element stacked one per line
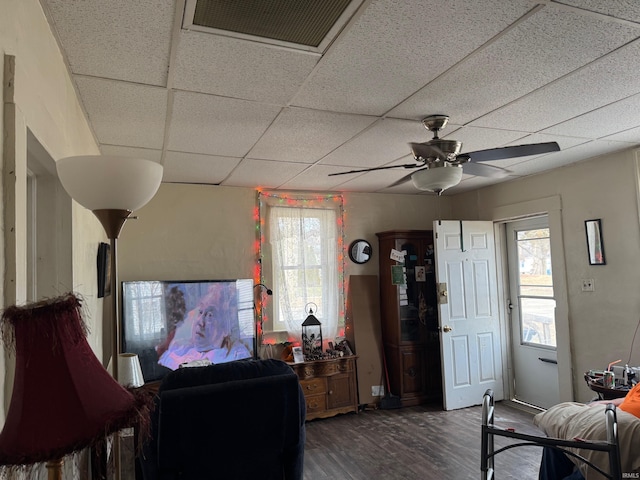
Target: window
<point>535,287</point>
<point>301,253</point>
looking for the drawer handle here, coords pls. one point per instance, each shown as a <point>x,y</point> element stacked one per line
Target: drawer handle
<point>330,392</point>
<point>312,387</point>
<point>412,372</point>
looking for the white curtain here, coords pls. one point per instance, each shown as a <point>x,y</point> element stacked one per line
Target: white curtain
<point>305,261</point>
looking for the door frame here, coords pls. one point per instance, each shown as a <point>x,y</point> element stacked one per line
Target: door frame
<point>552,207</point>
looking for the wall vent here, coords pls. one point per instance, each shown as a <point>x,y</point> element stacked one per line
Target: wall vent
<point>302,24</point>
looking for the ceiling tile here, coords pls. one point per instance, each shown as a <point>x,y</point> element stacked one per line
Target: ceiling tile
<point>263,173</point>
<point>385,141</point>
<point>182,167</point>
<point>626,9</point>
<point>579,92</point>
<point>124,113</point>
<point>133,152</point>
<point>631,136</point>
<point>239,68</point>
<point>129,40</point>
<point>548,44</point>
<point>396,47</point>
<point>374,181</point>
<point>604,121</point>
<point>315,177</point>
<point>300,135</point>
<point>217,125</point>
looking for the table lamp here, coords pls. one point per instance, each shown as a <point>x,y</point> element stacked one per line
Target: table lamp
<point>129,370</point>
<point>63,399</point>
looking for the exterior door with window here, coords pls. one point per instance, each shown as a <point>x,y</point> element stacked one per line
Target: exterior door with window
<point>532,305</point>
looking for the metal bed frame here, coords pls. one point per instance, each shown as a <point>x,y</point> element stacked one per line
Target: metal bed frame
<point>490,431</point>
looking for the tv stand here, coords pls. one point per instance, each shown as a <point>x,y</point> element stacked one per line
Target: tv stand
<point>329,386</point>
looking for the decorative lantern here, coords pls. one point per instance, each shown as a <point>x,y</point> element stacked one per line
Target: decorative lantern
<point>311,334</point>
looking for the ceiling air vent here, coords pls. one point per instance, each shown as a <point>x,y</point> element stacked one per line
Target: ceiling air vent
<point>302,24</point>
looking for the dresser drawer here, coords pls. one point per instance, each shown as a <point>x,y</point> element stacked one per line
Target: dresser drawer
<point>314,386</point>
<point>316,403</point>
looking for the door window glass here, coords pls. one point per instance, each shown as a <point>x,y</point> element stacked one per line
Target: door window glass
<point>535,288</point>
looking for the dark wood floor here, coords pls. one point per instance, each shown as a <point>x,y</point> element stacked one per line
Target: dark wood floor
<point>414,443</point>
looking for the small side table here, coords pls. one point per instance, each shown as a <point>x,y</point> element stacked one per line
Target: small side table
<point>604,393</point>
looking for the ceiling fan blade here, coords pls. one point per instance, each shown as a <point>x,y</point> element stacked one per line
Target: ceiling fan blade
<point>513,152</point>
<point>424,151</point>
<point>406,165</point>
<point>481,170</point>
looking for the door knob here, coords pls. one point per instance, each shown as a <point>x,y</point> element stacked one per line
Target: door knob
<point>447,328</point>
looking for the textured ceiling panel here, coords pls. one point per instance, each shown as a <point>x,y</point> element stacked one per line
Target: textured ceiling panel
<point>585,90</point>
<point>236,68</point>
<point>217,125</point>
<point>625,9</point>
<point>396,47</point>
<point>194,168</point>
<point>315,177</point>
<point>385,141</point>
<point>263,173</point>
<point>375,181</point>
<point>134,152</point>
<point>124,113</point>
<point>548,44</point>
<point>117,39</point>
<point>504,71</point>
<point>604,121</point>
<point>305,136</point>
<point>630,136</point>
<point>294,21</point>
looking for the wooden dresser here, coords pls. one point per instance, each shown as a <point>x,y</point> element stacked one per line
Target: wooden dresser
<point>329,386</point>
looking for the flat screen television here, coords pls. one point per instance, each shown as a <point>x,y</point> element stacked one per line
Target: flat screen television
<point>169,323</point>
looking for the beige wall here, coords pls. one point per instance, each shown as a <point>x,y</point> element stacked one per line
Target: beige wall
<point>44,102</point>
<point>601,323</point>
<point>208,232</point>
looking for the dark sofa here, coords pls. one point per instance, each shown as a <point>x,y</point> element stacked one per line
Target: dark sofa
<point>238,420</point>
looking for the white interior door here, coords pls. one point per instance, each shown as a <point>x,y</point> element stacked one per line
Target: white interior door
<point>532,302</point>
<point>468,312</point>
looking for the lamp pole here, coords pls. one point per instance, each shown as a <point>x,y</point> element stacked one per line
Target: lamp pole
<point>111,187</point>
<point>112,221</point>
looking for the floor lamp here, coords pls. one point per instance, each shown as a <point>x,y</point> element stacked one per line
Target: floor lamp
<point>112,187</point>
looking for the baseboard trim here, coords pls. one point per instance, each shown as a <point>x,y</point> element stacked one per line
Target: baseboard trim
<point>525,407</point>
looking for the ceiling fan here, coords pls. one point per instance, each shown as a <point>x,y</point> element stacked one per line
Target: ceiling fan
<point>441,164</point>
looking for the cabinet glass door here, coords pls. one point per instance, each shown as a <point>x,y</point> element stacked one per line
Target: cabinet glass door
<point>413,303</point>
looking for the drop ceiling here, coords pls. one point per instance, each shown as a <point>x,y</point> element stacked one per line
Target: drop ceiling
<point>225,109</point>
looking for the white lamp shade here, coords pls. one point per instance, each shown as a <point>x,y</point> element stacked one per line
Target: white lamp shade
<point>437,179</point>
<point>129,370</point>
<point>102,182</point>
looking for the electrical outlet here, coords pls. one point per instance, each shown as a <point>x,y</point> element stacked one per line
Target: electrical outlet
<point>377,390</point>
<point>588,285</point>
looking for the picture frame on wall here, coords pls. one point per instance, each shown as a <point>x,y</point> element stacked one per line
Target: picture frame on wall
<point>104,270</point>
<point>595,245</point>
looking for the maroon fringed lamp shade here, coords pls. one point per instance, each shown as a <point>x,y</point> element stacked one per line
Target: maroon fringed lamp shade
<point>63,399</point>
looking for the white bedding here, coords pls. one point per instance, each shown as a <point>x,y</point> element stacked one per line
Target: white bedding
<point>571,420</point>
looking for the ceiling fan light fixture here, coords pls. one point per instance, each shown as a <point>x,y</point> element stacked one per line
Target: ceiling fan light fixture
<point>437,179</point>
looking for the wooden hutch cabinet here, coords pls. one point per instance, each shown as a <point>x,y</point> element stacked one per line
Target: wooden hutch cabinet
<point>409,316</point>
